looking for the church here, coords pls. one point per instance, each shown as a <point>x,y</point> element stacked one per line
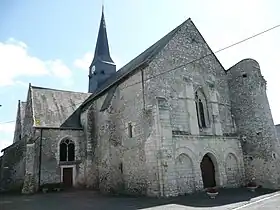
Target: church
<point>171,121</point>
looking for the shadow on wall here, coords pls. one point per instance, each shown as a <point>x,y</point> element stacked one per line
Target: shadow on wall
<point>12,168</point>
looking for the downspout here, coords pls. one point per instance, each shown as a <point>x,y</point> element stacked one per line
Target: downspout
<point>40,158</point>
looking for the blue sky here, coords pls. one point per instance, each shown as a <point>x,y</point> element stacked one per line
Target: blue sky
<point>50,43</point>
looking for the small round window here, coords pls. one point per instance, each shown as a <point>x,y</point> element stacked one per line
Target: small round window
<point>102,72</point>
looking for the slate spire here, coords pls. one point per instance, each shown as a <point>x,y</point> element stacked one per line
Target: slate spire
<point>102,52</point>
<point>102,65</point>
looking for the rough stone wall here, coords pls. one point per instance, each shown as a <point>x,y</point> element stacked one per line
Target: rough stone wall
<point>50,162</point>
<point>177,88</point>
<point>174,157</point>
<point>18,126</point>
<point>120,159</point>
<point>158,109</point>
<point>147,160</point>
<point>22,114</point>
<point>31,183</point>
<point>225,152</point>
<point>28,130</point>
<point>19,121</point>
<point>254,123</point>
<point>185,47</point>
<point>133,157</point>
<point>278,131</point>
<point>89,123</point>
<point>13,167</point>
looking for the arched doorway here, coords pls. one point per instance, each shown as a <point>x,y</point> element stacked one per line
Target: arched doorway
<point>208,172</point>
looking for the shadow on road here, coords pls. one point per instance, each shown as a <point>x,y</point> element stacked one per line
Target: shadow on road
<point>93,200</point>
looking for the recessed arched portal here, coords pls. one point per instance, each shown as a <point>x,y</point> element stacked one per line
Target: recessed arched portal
<point>208,172</point>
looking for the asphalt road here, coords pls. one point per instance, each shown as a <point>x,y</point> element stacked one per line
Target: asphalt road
<point>272,202</point>
<point>88,200</point>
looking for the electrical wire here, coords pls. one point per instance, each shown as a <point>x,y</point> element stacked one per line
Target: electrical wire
<point>177,67</point>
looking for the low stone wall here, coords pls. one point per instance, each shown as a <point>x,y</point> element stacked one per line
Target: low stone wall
<point>13,167</point>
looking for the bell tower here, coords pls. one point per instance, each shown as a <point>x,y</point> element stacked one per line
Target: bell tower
<point>102,65</point>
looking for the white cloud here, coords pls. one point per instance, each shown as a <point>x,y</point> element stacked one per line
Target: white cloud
<point>85,61</point>
<point>7,127</point>
<point>16,61</point>
<point>237,23</point>
<point>6,130</point>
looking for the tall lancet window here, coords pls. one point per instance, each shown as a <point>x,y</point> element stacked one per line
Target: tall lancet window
<point>67,150</point>
<point>201,109</point>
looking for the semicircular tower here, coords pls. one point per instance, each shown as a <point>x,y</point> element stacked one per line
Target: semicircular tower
<point>254,122</point>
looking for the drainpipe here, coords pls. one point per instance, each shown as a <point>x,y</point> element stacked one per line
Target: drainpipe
<point>40,158</point>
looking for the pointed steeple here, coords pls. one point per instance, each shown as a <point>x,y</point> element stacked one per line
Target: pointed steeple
<point>102,52</point>
<point>102,65</point>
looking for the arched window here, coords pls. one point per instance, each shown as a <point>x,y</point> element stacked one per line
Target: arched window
<point>201,109</point>
<point>67,150</point>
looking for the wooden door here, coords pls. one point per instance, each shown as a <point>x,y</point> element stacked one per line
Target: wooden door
<point>68,177</point>
<point>208,172</point>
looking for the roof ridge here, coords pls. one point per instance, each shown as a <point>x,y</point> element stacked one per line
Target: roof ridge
<point>60,90</point>
<point>143,58</point>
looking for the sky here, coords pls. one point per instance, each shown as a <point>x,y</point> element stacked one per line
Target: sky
<point>50,43</point>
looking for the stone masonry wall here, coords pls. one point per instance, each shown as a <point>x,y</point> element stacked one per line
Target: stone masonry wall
<point>186,46</point>
<point>121,159</point>
<point>13,167</point>
<point>176,88</point>
<point>174,157</point>
<point>50,163</point>
<point>28,122</point>
<point>18,128</point>
<point>254,122</point>
<point>278,131</point>
<point>90,126</point>
<point>132,113</point>
<point>145,163</point>
<point>225,152</point>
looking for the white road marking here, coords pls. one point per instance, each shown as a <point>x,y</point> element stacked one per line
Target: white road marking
<point>257,201</point>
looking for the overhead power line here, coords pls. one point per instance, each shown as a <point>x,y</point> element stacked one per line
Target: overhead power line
<point>180,66</point>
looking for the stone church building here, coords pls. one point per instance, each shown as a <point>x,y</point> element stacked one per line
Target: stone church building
<point>171,121</point>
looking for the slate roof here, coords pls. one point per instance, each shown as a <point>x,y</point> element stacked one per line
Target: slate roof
<point>140,61</point>
<point>102,51</point>
<point>51,108</point>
